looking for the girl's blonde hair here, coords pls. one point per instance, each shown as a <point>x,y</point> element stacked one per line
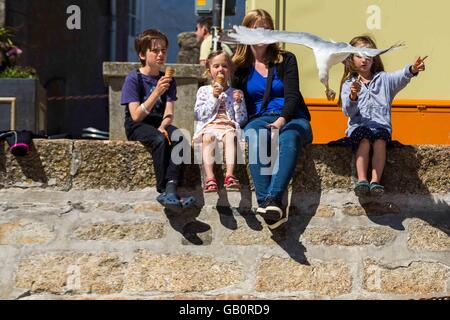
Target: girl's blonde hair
<point>243,56</point>
<point>214,54</point>
<point>350,69</point>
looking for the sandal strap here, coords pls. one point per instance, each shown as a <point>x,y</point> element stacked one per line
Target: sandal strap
<point>211,182</point>
<point>231,179</point>
<point>211,185</point>
<point>363,183</point>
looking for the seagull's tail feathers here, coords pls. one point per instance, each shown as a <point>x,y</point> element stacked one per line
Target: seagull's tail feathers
<point>397,46</point>
<point>370,52</point>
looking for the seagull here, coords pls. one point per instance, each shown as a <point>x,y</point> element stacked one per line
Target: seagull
<point>327,53</point>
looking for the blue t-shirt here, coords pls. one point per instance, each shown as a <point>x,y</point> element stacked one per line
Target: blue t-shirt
<point>256,86</point>
<point>131,90</point>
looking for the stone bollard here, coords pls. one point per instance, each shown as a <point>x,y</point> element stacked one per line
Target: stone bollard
<point>189,48</point>
<point>188,76</point>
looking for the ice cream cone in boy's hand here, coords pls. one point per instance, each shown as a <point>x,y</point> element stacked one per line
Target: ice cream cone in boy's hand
<point>166,135</point>
<point>170,71</point>
<point>220,79</point>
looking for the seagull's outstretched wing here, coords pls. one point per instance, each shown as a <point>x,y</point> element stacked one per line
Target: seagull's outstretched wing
<point>327,53</point>
<point>244,35</point>
<point>247,36</point>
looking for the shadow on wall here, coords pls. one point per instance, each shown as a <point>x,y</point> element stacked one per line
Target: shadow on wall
<point>406,176</point>
<point>407,170</point>
<point>226,214</point>
<point>198,233</point>
<point>305,198</point>
<point>411,176</point>
<point>31,166</point>
<point>194,231</point>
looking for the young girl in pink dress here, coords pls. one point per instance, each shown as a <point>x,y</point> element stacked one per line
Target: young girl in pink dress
<point>220,113</point>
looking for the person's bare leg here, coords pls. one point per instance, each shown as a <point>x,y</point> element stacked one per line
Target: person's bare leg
<point>230,152</point>
<point>378,160</point>
<point>208,155</point>
<point>362,159</point>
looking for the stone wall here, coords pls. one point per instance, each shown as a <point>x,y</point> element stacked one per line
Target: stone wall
<point>77,164</point>
<point>78,220</point>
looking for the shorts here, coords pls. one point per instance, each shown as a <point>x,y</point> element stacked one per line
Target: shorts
<point>362,132</point>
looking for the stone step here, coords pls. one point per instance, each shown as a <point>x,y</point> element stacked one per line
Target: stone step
<point>121,201</point>
<point>123,245</point>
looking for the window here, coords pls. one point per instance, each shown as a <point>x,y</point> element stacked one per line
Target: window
<point>133,19</point>
<point>134,26</point>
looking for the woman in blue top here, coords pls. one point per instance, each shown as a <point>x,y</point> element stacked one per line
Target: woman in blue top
<point>268,76</point>
<point>367,93</point>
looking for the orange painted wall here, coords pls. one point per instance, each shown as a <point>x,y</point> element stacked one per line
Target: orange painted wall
<point>413,121</point>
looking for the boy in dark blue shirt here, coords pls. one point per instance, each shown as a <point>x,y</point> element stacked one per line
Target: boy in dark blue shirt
<point>149,97</point>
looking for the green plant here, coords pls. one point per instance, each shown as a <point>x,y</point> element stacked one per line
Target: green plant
<point>18,72</point>
<point>9,55</point>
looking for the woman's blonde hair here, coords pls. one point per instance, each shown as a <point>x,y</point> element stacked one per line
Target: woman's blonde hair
<point>350,69</point>
<point>243,56</point>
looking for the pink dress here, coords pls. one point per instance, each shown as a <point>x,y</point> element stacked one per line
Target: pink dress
<point>221,125</point>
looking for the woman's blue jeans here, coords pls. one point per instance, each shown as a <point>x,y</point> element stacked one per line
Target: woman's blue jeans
<point>292,137</point>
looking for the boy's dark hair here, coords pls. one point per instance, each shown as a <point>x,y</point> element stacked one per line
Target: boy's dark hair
<point>145,40</point>
<point>205,22</point>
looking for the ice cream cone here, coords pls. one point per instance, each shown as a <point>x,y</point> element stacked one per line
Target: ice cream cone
<point>170,71</point>
<point>166,135</point>
<point>220,79</point>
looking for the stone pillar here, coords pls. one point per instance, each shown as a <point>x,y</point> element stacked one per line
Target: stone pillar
<point>189,48</point>
<point>188,77</point>
<point>2,13</point>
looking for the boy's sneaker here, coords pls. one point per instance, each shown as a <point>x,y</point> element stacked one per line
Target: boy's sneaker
<point>262,207</point>
<point>274,214</point>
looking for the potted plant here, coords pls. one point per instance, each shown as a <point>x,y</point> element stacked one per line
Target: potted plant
<point>9,56</point>
<point>22,83</point>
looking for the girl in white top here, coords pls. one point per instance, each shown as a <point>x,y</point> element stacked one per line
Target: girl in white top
<point>220,113</point>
